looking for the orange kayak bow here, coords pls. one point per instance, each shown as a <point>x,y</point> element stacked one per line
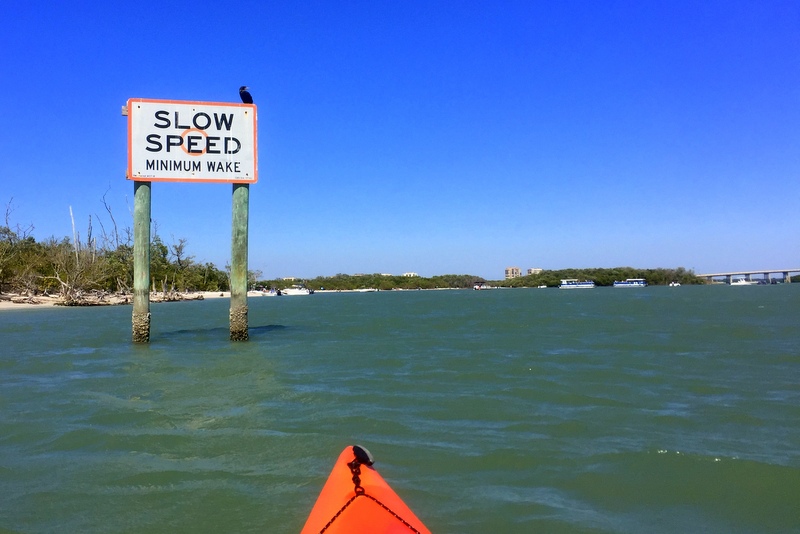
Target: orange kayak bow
<point>356,499</point>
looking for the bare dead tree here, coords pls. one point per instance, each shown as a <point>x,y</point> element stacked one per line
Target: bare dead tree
<point>75,266</point>
<point>115,235</point>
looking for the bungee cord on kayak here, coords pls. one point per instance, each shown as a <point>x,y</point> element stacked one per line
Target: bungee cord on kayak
<point>363,518</point>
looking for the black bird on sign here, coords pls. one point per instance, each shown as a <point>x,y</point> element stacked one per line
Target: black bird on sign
<point>245,95</point>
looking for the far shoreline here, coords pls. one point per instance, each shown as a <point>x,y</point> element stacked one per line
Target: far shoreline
<point>15,301</point>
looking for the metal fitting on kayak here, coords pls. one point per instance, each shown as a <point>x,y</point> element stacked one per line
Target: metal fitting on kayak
<point>362,457</point>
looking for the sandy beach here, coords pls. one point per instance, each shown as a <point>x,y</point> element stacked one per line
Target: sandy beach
<point>13,301</point>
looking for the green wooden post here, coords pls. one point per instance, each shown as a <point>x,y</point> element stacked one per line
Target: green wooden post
<point>241,201</point>
<point>141,262</point>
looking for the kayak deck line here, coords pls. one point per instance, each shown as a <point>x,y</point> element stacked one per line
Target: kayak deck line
<point>339,510</point>
<point>354,497</point>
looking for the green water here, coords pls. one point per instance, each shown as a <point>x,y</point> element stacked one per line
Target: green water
<point>606,410</point>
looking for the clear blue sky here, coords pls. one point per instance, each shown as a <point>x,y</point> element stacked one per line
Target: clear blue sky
<point>434,137</point>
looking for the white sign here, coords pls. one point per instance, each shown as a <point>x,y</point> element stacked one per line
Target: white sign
<point>181,141</point>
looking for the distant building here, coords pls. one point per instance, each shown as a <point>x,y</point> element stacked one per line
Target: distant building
<point>289,278</point>
<point>534,271</point>
<point>410,275</point>
<point>513,272</point>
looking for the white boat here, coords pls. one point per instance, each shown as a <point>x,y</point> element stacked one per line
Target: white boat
<point>263,292</point>
<point>632,282</point>
<point>743,282</point>
<point>674,284</point>
<point>481,286</point>
<point>296,290</point>
<point>574,283</point>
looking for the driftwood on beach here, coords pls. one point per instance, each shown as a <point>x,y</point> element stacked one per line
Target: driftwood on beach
<point>111,299</point>
<point>97,298</point>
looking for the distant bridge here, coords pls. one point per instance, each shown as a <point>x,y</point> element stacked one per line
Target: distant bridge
<point>747,275</point>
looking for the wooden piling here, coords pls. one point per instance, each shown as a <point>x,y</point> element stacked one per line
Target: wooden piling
<point>141,262</point>
<point>238,313</point>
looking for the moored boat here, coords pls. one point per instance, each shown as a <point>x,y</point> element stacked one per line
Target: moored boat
<point>480,286</point>
<point>743,282</point>
<point>631,282</point>
<point>574,283</point>
<point>296,290</point>
<point>263,292</point>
